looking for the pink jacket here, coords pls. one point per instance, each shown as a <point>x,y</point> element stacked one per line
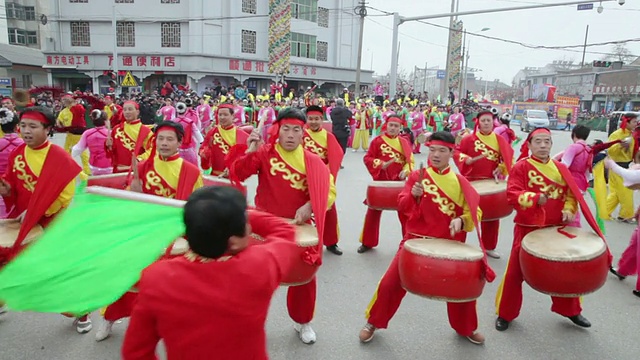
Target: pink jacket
<point>418,121</point>
<point>94,140</point>
<point>168,112</point>
<point>204,114</point>
<point>7,144</point>
<point>578,159</point>
<point>271,115</point>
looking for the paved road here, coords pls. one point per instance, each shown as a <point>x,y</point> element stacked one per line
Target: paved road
<point>419,330</point>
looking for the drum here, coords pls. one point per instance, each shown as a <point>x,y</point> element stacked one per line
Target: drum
<point>247,128</point>
<point>555,264</point>
<point>9,229</point>
<point>442,269</point>
<point>328,125</point>
<point>493,199</point>
<point>113,181</point>
<point>179,247</point>
<point>302,273</point>
<point>383,195</point>
<point>210,180</point>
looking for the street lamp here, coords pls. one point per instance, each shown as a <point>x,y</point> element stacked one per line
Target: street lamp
<point>465,52</point>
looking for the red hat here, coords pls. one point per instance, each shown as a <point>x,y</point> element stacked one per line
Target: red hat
<point>524,149</point>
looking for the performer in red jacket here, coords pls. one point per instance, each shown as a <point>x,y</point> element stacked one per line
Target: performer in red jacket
<point>213,302</point>
<point>324,144</point>
<point>128,138</point>
<point>389,158</point>
<point>485,155</point>
<point>293,183</point>
<point>543,193</point>
<point>438,204</point>
<point>220,140</point>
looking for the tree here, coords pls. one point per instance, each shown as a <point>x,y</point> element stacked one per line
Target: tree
<point>620,52</point>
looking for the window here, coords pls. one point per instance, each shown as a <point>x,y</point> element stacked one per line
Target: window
<point>170,34</point>
<point>29,13</point>
<point>26,81</point>
<point>124,1</point>
<point>323,50</point>
<point>305,9</point>
<point>249,6</point>
<point>32,38</point>
<point>11,10</point>
<point>17,36</point>
<point>169,1</point>
<point>79,1</point>
<point>248,41</point>
<point>323,17</point>
<point>126,33</point>
<point>303,45</point>
<point>80,35</point>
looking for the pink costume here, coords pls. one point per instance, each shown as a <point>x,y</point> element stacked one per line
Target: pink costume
<point>94,139</point>
<point>417,127</point>
<point>508,134</point>
<point>578,159</point>
<point>7,144</point>
<point>168,112</point>
<point>379,90</point>
<point>327,112</point>
<point>204,114</point>
<point>271,117</point>
<point>457,123</point>
<point>238,115</point>
<point>629,263</point>
<point>192,138</point>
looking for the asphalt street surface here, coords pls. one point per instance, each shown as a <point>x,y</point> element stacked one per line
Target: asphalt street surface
<point>419,330</point>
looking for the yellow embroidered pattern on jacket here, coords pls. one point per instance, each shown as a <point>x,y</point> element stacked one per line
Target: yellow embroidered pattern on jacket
<point>153,183</point>
<point>217,140</point>
<point>482,148</point>
<point>296,180</point>
<point>312,146</point>
<point>446,207</point>
<point>396,156</point>
<point>124,139</point>
<point>377,162</point>
<point>19,166</point>
<point>526,199</point>
<point>552,191</point>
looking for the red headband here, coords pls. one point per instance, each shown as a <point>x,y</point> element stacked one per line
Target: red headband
<point>441,143</point>
<point>166,127</point>
<point>315,112</point>
<point>226,106</point>
<point>35,115</point>
<point>537,131</point>
<point>291,121</point>
<point>524,149</point>
<point>132,102</point>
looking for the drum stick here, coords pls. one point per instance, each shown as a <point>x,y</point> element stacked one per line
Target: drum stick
<point>129,195</point>
<point>420,178</point>
<point>254,145</point>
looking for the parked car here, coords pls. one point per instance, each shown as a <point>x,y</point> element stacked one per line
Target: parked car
<point>534,119</point>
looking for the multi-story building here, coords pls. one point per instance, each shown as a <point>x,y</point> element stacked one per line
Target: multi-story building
<point>26,22</point>
<point>201,43</point>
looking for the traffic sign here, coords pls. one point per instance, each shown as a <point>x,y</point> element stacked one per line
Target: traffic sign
<point>129,80</point>
<point>441,74</point>
<point>585,6</point>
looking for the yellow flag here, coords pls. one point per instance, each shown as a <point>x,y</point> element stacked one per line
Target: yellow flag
<point>600,187</point>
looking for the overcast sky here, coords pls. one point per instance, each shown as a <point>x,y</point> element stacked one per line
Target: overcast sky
<point>558,26</point>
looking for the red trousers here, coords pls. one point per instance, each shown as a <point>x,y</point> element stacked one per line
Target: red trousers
<point>371,231</point>
<point>629,263</point>
<point>301,302</point>
<point>122,308</point>
<point>463,317</point>
<point>509,296</point>
<point>331,230</point>
<point>490,230</point>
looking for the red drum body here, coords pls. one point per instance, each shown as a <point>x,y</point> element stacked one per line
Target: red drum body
<point>493,199</point>
<point>218,181</point>
<point>383,195</point>
<point>112,181</point>
<point>554,264</point>
<point>302,273</point>
<point>247,128</point>
<point>328,125</point>
<point>442,269</point>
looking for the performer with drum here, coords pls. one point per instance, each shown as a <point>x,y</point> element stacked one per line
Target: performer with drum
<point>485,155</point>
<point>39,182</point>
<point>434,202</point>
<point>215,302</point>
<point>291,184</point>
<point>219,141</point>
<point>544,194</point>
<point>165,174</point>
<point>389,159</point>
<point>128,138</point>
<point>324,144</point>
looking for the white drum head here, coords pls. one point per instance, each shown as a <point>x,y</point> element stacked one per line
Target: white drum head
<point>180,246</point>
<point>216,179</point>
<point>387,184</point>
<point>486,187</point>
<point>443,249</point>
<point>9,229</point>
<point>107,176</point>
<point>549,244</point>
<point>306,235</point>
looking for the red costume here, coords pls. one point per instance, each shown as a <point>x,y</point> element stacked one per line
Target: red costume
<point>128,138</point>
<point>217,317</point>
<point>497,154</point>
<point>528,180</point>
<point>382,149</point>
<point>326,146</point>
<point>217,146</point>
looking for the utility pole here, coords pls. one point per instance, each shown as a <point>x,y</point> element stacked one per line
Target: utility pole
<point>424,86</point>
<point>584,50</point>
<point>463,71</point>
<point>115,51</point>
<point>449,44</point>
<point>360,10</point>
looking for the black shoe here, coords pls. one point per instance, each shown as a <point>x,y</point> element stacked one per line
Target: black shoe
<point>341,167</point>
<point>616,273</point>
<point>363,249</point>
<point>501,324</point>
<point>334,249</point>
<point>580,321</point>
<point>636,293</point>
